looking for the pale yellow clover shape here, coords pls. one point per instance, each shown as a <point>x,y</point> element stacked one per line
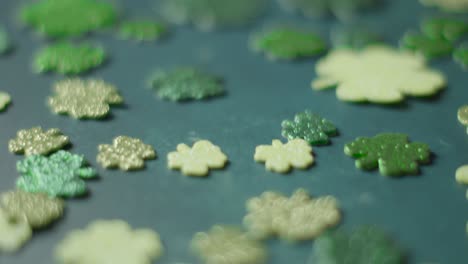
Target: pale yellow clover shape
<point>280,157</point>
<point>448,5</point>
<point>294,218</point>
<point>110,241</point>
<point>5,100</point>
<point>198,160</point>
<point>377,74</point>
<point>14,232</point>
<point>461,175</point>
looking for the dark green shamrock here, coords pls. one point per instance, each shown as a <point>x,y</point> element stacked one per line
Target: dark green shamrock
<point>447,28</point>
<point>460,55</point>
<point>428,46</point>
<point>142,30</point>
<point>365,245</point>
<point>288,43</point>
<point>310,127</point>
<point>64,18</point>
<point>184,84</point>
<point>391,153</point>
<point>60,174</point>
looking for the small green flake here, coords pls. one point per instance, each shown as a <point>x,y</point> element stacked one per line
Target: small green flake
<point>288,43</point>
<point>208,15</point>
<point>460,55</point>
<point>447,28</point>
<point>354,37</point>
<point>183,84</point>
<point>5,100</point>
<point>69,59</point>
<point>66,18</point>
<point>84,99</point>
<point>5,42</point>
<point>36,208</point>
<point>310,127</point>
<point>391,153</point>
<point>35,141</point>
<point>365,244</point>
<point>60,175</point>
<point>142,30</point>
<point>429,47</point>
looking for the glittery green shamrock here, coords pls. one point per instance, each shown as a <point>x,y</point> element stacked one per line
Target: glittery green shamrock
<point>184,84</point>
<point>391,153</point>
<point>460,55</point>
<point>61,174</point>
<point>68,58</point>
<point>208,15</point>
<point>447,28</point>
<point>35,141</point>
<point>310,127</point>
<point>343,9</point>
<point>5,43</point>
<point>427,46</point>
<point>84,99</point>
<point>288,43</point>
<point>64,18</point>
<point>142,30</point>
<point>356,37</point>
<point>365,244</point>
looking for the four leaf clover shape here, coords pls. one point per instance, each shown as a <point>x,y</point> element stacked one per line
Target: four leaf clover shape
<point>310,127</point>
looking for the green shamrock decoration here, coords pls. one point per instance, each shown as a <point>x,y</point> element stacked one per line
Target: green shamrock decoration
<point>142,30</point>
<point>5,43</point>
<point>69,59</point>
<point>460,55</point>
<point>365,244</point>
<point>391,153</point>
<point>309,127</point>
<point>429,47</point>
<point>354,37</point>
<point>208,15</point>
<point>66,18</point>
<point>60,175</point>
<point>288,43</point>
<point>184,84</point>
<point>447,28</point>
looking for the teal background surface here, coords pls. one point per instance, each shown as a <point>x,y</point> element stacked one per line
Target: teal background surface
<point>426,214</point>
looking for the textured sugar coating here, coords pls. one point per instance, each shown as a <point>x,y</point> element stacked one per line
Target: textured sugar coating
<point>461,56</point>
<point>390,152</point>
<point>67,18</point>
<point>14,233</point>
<point>281,158</point>
<point>110,241</point>
<point>5,100</point>
<point>198,160</point>
<point>377,74</point>
<point>294,218</point>
<point>184,84</point>
<point>84,99</point>
<point>447,28</point>
<point>288,43</point>
<point>364,245</point>
<point>68,58</point>
<point>5,42</point>
<point>142,30</point>
<point>448,5</point>
<point>60,175</point>
<point>208,15</point>
<point>430,47</point>
<point>36,208</point>
<point>461,175</point>
<point>227,245</point>
<point>125,153</point>
<point>35,141</point>
<point>310,127</point>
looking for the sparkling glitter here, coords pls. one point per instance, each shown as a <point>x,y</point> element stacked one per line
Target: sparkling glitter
<point>142,30</point>
<point>36,208</point>
<point>227,245</point>
<point>65,18</point>
<point>310,127</point>
<point>5,100</point>
<point>61,174</point>
<point>448,5</point>
<point>110,241</point>
<point>279,157</point>
<point>377,74</point>
<point>428,46</point>
<point>125,153</point>
<point>184,84</point>
<point>35,141</point>
<point>84,99</point>
<point>70,59</point>
<point>462,175</point>
<point>198,160</point>
<point>14,233</point>
<point>391,153</point>
<point>297,218</point>
<point>288,43</point>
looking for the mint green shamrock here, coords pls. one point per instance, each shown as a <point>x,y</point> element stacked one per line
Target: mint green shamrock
<point>366,244</point>
<point>460,55</point>
<point>288,43</point>
<point>70,59</point>
<point>428,46</point>
<point>60,174</point>
<point>65,18</point>
<point>310,127</point>
<point>391,153</point>
<point>142,30</point>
